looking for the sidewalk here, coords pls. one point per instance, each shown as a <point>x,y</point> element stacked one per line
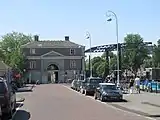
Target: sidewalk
<point>26,88</point>
<point>147,104</point>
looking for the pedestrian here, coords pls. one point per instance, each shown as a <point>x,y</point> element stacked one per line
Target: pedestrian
<point>146,84</point>
<point>131,84</point>
<point>137,84</point>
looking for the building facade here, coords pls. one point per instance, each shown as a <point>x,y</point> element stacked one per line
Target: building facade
<point>53,61</point>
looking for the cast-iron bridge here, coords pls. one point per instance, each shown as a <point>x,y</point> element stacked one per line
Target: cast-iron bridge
<point>113,47</point>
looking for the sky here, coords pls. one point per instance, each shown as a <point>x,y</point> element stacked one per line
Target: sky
<point>54,19</point>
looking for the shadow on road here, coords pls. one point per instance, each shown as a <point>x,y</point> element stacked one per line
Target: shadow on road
<point>135,111</point>
<point>113,101</point>
<point>154,116</point>
<point>148,103</point>
<point>22,115</point>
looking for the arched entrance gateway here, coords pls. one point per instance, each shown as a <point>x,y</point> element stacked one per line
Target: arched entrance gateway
<point>52,73</point>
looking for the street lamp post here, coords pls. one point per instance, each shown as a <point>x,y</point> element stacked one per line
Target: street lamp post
<point>110,19</point>
<point>88,36</point>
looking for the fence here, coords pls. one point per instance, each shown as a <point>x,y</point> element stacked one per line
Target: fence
<point>151,87</point>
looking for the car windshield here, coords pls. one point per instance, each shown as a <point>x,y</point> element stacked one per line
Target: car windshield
<point>109,87</point>
<point>95,81</point>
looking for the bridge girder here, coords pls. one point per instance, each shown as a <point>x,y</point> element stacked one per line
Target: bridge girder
<point>111,47</point>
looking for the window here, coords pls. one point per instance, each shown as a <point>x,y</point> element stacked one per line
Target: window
<point>72,64</point>
<point>32,64</point>
<point>32,51</point>
<point>72,51</point>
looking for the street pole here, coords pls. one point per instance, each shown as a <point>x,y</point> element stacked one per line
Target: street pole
<point>114,14</point>
<point>88,36</point>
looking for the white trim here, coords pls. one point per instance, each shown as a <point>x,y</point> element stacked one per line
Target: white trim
<point>72,64</point>
<point>50,53</point>
<point>32,51</point>
<point>32,64</point>
<point>55,58</point>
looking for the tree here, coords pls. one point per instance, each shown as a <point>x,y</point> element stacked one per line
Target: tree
<point>99,64</point>
<point>148,62</point>
<point>96,62</point>
<point>112,61</point>
<point>11,46</point>
<point>156,54</point>
<point>1,55</point>
<point>135,52</point>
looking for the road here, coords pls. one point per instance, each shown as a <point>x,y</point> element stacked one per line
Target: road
<point>56,102</point>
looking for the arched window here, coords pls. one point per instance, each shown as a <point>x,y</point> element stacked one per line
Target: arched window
<point>52,67</point>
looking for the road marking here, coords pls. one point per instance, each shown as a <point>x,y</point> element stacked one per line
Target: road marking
<point>20,104</point>
<point>150,118</point>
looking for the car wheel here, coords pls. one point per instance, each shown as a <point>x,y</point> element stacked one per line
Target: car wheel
<point>85,92</point>
<point>95,96</point>
<point>101,99</point>
<point>9,114</point>
<point>14,108</point>
<point>82,91</point>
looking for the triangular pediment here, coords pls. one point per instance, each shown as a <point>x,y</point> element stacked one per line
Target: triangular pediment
<point>52,54</point>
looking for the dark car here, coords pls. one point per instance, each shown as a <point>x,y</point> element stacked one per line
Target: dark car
<point>78,86</point>
<point>74,84</point>
<point>91,84</point>
<point>107,92</point>
<point>7,98</point>
<point>82,86</point>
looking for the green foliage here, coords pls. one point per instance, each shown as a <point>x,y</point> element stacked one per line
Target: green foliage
<point>135,52</point>
<point>10,47</point>
<point>133,56</point>
<point>99,64</point>
<point>156,54</point>
<point>1,54</point>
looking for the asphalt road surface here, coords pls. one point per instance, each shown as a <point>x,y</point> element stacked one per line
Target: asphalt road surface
<point>56,102</point>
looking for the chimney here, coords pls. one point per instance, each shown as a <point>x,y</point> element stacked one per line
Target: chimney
<point>36,38</point>
<point>66,38</point>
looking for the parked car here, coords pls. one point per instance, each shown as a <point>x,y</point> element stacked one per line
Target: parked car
<point>82,86</point>
<point>74,84</point>
<point>91,84</point>
<point>7,98</point>
<point>108,91</point>
<point>78,86</point>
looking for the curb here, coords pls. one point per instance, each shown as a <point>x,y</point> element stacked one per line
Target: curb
<point>135,111</point>
<point>20,100</point>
